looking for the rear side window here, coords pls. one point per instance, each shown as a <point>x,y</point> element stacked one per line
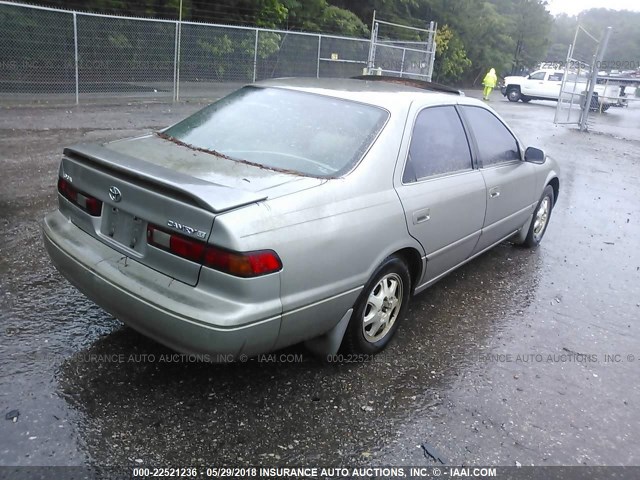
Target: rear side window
<point>495,142</point>
<point>556,77</point>
<point>438,145</point>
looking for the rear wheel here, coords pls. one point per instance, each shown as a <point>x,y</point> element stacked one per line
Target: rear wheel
<point>379,308</point>
<point>525,99</point>
<point>594,106</point>
<point>541,217</point>
<point>513,94</point>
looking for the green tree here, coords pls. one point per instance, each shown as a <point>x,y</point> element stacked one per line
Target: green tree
<point>531,28</point>
<point>271,14</point>
<point>451,56</point>
<point>320,16</point>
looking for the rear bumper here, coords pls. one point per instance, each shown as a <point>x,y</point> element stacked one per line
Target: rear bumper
<point>185,318</point>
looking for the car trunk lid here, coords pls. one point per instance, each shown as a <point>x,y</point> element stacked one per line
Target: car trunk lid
<point>213,197</point>
<point>134,194</point>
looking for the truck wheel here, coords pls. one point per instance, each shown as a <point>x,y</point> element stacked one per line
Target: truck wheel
<point>513,94</point>
<point>525,99</point>
<point>595,103</point>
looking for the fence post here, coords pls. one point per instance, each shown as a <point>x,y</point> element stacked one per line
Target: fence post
<point>175,67</point>
<point>372,46</point>
<point>178,60</point>
<point>255,57</point>
<point>319,46</point>
<point>431,48</point>
<point>75,47</point>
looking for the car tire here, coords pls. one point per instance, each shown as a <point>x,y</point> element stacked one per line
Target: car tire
<point>379,308</point>
<point>513,94</point>
<point>525,99</point>
<point>541,217</point>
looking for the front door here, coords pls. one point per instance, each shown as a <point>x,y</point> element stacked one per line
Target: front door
<point>443,196</point>
<point>510,181</point>
<point>534,85</point>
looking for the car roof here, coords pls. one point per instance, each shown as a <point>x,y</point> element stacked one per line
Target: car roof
<point>388,95</point>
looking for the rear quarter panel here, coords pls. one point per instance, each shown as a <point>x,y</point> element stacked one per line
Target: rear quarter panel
<point>330,238</point>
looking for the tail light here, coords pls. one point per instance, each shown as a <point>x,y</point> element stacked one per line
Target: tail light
<point>239,264</point>
<point>89,204</point>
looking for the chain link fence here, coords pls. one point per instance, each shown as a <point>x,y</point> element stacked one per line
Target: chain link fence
<point>36,52</point>
<point>124,56</point>
<point>340,57</point>
<point>59,56</point>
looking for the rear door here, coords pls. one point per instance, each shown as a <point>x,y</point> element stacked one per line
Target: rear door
<point>554,84</point>
<point>443,196</point>
<point>510,181</point>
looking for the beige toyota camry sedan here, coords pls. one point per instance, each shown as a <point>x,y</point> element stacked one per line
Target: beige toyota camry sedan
<point>294,210</point>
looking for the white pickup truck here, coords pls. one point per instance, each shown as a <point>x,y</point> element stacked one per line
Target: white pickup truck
<point>545,84</point>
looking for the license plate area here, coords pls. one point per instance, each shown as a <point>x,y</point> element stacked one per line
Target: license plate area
<point>123,228</point>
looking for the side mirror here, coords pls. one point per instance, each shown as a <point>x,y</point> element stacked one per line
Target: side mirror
<point>534,155</point>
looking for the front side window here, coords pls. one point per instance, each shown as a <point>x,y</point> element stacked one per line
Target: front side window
<point>495,142</point>
<point>283,129</point>
<point>537,76</point>
<point>438,145</point>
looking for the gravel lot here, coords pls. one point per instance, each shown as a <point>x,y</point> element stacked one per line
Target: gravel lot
<point>503,361</point>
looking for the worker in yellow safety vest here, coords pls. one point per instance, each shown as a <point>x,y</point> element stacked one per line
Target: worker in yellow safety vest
<point>489,82</point>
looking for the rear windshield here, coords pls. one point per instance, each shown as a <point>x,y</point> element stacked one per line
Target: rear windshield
<point>285,130</point>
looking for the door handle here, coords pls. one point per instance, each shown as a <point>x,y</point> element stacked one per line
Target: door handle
<point>494,192</point>
<point>420,216</point>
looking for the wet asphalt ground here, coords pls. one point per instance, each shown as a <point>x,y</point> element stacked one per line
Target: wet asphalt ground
<point>528,356</point>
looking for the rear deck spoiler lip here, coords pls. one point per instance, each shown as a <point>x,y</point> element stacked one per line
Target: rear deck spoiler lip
<point>410,82</point>
<point>199,191</point>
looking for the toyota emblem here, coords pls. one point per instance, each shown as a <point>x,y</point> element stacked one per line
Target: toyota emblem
<point>115,194</point>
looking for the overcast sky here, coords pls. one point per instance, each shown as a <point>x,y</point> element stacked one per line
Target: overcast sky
<point>573,7</point>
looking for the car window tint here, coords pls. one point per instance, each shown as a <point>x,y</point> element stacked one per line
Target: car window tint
<point>495,142</point>
<point>556,77</point>
<point>537,76</point>
<point>438,145</point>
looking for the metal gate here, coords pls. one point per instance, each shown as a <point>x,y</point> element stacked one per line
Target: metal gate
<point>577,93</point>
<point>412,58</point>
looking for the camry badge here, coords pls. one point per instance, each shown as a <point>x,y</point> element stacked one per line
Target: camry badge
<point>115,194</point>
<point>186,229</point>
